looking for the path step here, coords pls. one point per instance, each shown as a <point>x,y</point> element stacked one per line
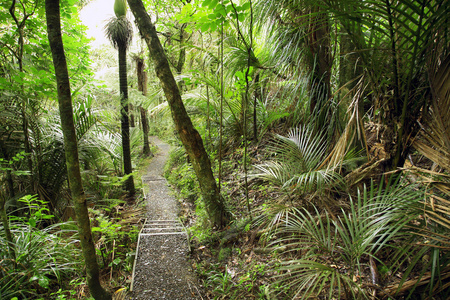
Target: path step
<point>147,178</point>
<point>161,227</point>
<point>158,228</point>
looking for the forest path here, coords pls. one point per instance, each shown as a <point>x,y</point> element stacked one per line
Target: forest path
<point>162,269</point>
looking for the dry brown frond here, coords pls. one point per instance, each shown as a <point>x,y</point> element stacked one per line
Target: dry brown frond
<point>434,139</point>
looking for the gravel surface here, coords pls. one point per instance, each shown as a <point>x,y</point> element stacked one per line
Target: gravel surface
<point>162,267</point>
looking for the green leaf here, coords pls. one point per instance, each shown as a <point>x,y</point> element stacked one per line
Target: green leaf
<point>221,10</point>
<point>42,280</point>
<point>117,261</point>
<point>213,4</point>
<point>246,6</point>
<point>241,17</point>
<point>32,222</point>
<point>213,26</point>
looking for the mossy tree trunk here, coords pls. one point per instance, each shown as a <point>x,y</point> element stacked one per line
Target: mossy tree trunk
<point>142,87</point>
<point>71,150</point>
<point>189,136</point>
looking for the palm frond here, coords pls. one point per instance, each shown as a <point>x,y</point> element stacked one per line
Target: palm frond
<point>275,172</point>
<point>83,116</point>
<point>334,250</point>
<point>312,180</point>
<point>11,130</point>
<point>309,232</point>
<point>312,279</point>
<point>284,34</point>
<point>298,164</point>
<point>119,32</point>
<point>102,145</point>
<point>273,217</point>
<point>407,29</point>
<point>354,130</point>
<point>435,133</point>
<point>435,207</point>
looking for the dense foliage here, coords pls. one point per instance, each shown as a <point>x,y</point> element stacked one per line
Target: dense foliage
<point>326,123</point>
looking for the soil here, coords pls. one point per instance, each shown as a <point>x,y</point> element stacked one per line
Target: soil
<point>162,269</point>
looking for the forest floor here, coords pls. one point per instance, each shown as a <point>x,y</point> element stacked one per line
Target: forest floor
<point>162,269</point>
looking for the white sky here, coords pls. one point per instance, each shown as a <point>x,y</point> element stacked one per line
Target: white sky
<point>94,16</point>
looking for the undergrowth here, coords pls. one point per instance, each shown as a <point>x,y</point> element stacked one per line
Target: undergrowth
<point>38,260</point>
<point>336,244</point>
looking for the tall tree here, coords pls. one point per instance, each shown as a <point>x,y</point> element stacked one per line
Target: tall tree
<point>190,137</point>
<point>119,32</point>
<point>71,150</point>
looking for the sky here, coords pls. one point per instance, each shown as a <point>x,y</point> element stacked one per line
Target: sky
<point>94,16</point>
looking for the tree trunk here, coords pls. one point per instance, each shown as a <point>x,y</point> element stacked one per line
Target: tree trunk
<point>8,235</point>
<point>146,149</point>
<point>350,70</point>
<point>319,45</point>
<point>141,75</point>
<point>142,87</point>
<point>349,64</point>
<point>125,125</point>
<point>189,136</point>
<point>181,56</point>
<point>257,96</point>
<point>71,150</point>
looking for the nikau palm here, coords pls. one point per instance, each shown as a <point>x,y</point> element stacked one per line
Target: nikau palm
<point>119,32</point>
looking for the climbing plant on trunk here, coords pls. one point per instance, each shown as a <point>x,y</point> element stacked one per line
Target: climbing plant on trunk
<point>189,136</point>
<point>119,32</point>
<point>71,150</point>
